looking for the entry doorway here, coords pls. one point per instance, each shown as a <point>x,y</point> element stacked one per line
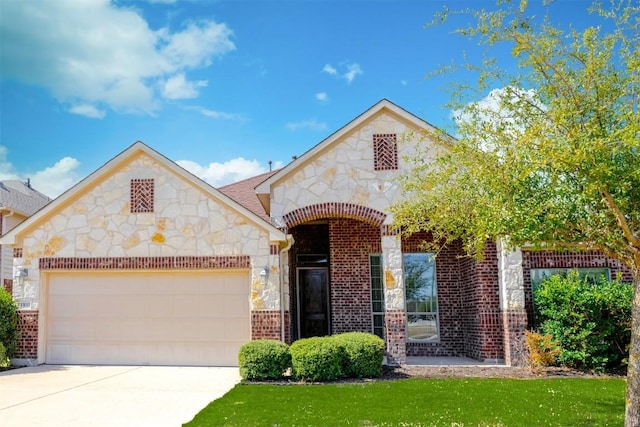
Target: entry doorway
<point>313,302</point>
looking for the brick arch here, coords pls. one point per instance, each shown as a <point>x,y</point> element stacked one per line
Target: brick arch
<point>334,210</point>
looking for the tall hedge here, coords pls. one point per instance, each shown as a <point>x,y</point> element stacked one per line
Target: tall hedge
<point>9,333</point>
<point>591,321</point>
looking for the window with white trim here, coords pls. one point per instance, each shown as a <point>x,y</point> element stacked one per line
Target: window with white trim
<point>377,294</point>
<point>592,275</point>
<point>421,296</point>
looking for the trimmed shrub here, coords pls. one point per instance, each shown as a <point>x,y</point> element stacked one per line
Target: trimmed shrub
<point>591,321</point>
<point>9,333</point>
<point>264,360</point>
<point>363,354</point>
<point>316,359</point>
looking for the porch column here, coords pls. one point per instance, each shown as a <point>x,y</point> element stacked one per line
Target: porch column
<point>394,314</point>
<point>512,305</point>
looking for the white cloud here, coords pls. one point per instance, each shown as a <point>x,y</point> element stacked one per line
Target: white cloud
<point>503,111</point>
<point>94,53</point>
<point>51,181</point>
<point>216,114</point>
<point>350,73</point>
<point>87,110</point>
<point>330,70</point>
<point>353,70</point>
<point>312,124</point>
<point>219,174</point>
<point>322,96</point>
<point>177,87</point>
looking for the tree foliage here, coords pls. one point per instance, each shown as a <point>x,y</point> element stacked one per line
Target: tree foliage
<point>552,157</point>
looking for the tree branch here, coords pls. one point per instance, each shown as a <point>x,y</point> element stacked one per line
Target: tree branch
<point>622,221</point>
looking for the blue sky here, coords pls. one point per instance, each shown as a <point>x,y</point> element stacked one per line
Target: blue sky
<point>221,87</point>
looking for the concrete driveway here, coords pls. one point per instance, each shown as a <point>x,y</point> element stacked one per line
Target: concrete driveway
<point>50,395</point>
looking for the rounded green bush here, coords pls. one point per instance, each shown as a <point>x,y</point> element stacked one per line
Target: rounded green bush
<point>591,321</point>
<point>264,360</point>
<point>317,359</point>
<point>9,333</point>
<point>363,354</point>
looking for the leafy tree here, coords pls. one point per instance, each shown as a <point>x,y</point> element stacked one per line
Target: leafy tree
<point>552,156</point>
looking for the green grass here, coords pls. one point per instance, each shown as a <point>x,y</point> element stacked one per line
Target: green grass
<point>423,402</point>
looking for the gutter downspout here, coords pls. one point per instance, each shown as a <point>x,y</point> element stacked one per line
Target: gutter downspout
<point>283,252</point>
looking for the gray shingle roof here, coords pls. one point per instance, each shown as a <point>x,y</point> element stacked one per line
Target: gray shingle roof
<point>21,197</point>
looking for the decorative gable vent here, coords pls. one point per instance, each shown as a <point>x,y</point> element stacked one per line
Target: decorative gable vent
<point>385,151</point>
<point>142,195</point>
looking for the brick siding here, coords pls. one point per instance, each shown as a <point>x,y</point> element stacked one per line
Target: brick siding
<point>334,210</point>
<point>8,285</point>
<point>265,324</point>
<point>27,347</point>
<point>351,243</point>
<point>143,263</point>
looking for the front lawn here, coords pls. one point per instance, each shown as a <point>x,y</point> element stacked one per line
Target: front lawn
<point>423,402</point>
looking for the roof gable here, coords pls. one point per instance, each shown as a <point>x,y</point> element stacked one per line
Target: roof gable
<point>121,161</point>
<point>382,107</point>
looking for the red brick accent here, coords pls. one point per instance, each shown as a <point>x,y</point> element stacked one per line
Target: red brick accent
<point>351,242</point>
<point>265,324</point>
<point>565,259</point>
<point>334,210</point>
<point>27,347</point>
<point>8,285</point>
<point>17,252</point>
<point>143,263</point>
<point>396,332</point>
<point>514,326</point>
<point>142,195</point>
<point>385,151</point>
<point>388,230</point>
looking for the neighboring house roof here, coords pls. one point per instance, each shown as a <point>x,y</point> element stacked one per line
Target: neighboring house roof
<point>20,197</point>
<point>114,164</point>
<point>244,192</point>
<point>263,190</point>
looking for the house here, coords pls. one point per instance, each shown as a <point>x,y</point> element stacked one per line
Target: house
<point>18,201</point>
<point>144,263</point>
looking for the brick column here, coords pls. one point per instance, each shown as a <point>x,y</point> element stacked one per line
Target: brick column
<point>512,303</point>
<point>395,314</point>
<point>27,347</point>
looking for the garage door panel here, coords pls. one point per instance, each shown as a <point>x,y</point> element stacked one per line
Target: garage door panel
<point>151,318</point>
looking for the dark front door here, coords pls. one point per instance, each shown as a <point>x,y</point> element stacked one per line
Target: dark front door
<point>313,302</point>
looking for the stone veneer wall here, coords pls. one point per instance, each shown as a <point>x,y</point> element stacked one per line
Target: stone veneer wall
<point>351,243</point>
<point>566,259</point>
<point>27,347</point>
<point>187,224</point>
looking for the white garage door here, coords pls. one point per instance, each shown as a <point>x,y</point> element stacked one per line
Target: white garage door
<point>167,318</point>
